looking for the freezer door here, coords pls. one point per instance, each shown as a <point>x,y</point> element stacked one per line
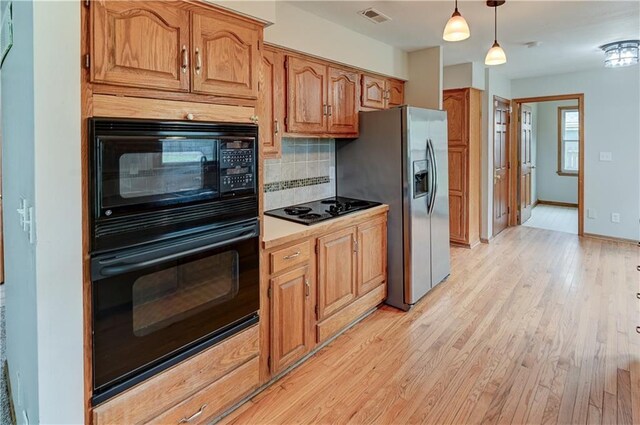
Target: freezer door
<point>440,253</point>
<point>417,232</point>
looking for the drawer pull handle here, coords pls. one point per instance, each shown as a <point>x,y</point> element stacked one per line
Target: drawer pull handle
<point>198,62</point>
<point>195,415</point>
<point>289,257</point>
<point>307,287</point>
<point>185,59</point>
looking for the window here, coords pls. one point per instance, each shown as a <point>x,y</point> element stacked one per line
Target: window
<point>568,140</point>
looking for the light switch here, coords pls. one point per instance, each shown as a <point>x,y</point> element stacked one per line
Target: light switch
<point>615,217</point>
<point>591,213</point>
<point>606,156</point>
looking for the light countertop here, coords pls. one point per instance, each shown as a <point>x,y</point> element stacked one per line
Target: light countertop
<point>277,231</point>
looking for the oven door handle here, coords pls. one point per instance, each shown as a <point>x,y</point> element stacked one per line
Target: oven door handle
<point>123,266</point>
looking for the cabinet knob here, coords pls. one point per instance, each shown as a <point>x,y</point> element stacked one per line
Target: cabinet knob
<point>190,117</point>
<point>254,119</point>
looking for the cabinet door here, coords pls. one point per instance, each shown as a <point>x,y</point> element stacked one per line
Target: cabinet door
<point>395,93</point>
<point>290,318</point>
<point>140,44</point>
<point>455,103</point>
<point>225,56</point>
<point>336,271</point>
<point>373,92</point>
<point>372,255</point>
<point>457,193</point>
<point>306,96</point>
<point>343,97</point>
<point>271,102</point>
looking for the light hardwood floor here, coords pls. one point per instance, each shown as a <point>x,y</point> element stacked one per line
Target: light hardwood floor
<point>552,217</point>
<point>536,327</point>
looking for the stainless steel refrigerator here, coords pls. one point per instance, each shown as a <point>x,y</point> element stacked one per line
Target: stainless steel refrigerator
<point>401,159</point>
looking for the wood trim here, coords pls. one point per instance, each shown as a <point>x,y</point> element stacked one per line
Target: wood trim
<point>581,171</point>
<point>610,238</point>
<point>561,109</point>
<point>556,203</point>
<point>136,107</point>
<point>486,240</point>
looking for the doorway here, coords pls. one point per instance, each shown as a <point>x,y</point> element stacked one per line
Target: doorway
<point>548,143</point>
<point>501,164</point>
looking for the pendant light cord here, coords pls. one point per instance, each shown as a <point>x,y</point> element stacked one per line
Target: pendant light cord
<point>495,24</point>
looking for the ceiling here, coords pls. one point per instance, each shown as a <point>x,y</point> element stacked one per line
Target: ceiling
<point>569,32</point>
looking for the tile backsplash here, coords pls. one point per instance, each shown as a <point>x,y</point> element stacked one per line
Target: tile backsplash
<point>305,172</point>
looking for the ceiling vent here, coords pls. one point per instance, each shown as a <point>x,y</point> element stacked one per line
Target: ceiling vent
<point>374,15</point>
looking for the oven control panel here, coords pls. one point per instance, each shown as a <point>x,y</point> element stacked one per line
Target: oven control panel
<point>237,166</point>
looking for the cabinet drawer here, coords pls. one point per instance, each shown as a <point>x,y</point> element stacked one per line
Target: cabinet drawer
<point>285,258</point>
<point>212,400</point>
<point>167,389</point>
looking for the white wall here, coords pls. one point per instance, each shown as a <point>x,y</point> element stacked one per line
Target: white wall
<point>612,108</point>
<point>264,10</point>
<point>303,31</point>
<point>496,84</point>
<point>424,88</point>
<point>41,162</point>
<point>19,182</point>
<point>551,186</point>
<point>58,211</point>
<point>469,74</point>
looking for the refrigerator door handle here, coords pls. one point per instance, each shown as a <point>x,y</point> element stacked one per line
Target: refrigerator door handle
<point>434,175</point>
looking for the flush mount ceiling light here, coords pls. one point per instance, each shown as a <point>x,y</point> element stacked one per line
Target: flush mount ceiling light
<point>621,53</point>
<point>456,28</point>
<point>495,55</point>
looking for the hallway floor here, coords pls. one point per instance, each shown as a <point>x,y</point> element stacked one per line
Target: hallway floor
<point>551,217</point>
<point>536,327</point>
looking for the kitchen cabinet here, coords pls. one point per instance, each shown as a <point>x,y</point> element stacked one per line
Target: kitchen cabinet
<point>342,98</point>
<point>321,99</point>
<point>306,96</point>
<point>372,254</point>
<point>271,102</point>
<point>311,295</point>
<point>225,55</point>
<point>140,44</point>
<point>464,115</point>
<point>290,317</point>
<point>380,93</point>
<point>337,262</point>
<point>395,93</point>
<point>173,47</point>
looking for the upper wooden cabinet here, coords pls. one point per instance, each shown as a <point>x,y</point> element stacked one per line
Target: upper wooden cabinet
<point>174,46</point>
<point>464,115</point>
<point>271,102</point>
<point>395,93</point>
<point>321,99</point>
<point>140,44</point>
<point>225,55</point>
<point>380,93</point>
<point>306,96</point>
<point>337,262</point>
<point>343,94</point>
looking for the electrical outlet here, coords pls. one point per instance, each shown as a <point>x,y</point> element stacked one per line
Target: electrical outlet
<point>606,156</point>
<point>592,213</point>
<point>615,217</point>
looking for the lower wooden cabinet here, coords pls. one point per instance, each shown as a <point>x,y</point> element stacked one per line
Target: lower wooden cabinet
<point>291,338</point>
<point>337,262</point>
<point>350,263</point>
<point>372,255</point>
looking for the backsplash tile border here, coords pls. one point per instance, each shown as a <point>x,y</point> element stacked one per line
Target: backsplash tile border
<point>292,184</point>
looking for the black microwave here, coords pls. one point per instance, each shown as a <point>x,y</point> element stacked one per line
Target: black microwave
<point>154,179</point>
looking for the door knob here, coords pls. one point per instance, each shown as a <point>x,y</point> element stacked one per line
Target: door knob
<point>533,167</point>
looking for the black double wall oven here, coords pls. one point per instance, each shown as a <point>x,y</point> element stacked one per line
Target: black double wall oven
<point>174,243</point>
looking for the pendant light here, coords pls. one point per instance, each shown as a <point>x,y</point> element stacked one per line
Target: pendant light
<point>495,55</point>
<point>456,28</point>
